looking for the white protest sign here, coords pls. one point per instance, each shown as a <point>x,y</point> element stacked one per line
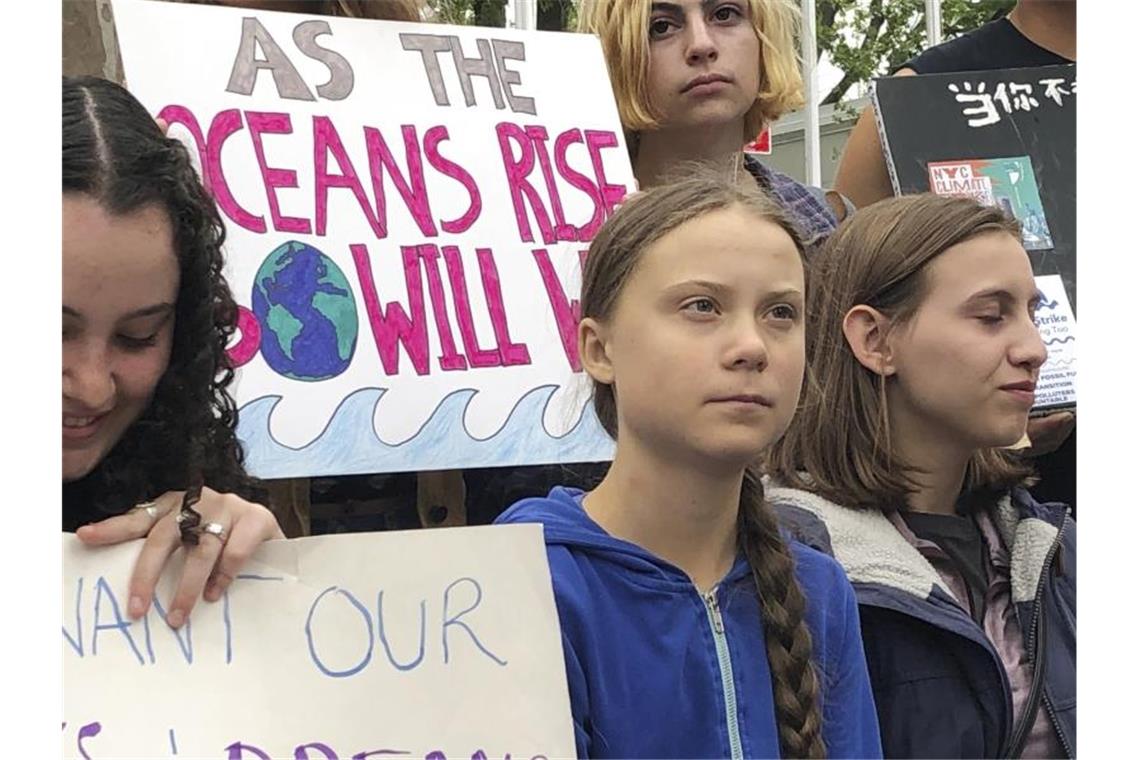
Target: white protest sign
<point>406,209</point>
<point>424,644</point>
<point>1057,381</point>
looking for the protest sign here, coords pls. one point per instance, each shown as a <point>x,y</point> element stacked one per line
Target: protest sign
<point>426,644</point>
<point>1057,380</point>
<point>1005,137</point>
<point>407,207</point>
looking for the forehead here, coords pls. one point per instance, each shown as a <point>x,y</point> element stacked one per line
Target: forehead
<point>990,260</point>
<point>128,251</point>
<point>735,246</point>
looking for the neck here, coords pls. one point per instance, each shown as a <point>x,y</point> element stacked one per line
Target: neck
<point>660,151</point>
<point>681,512</point>
<point>1051,24</point>
<point>937,462</point>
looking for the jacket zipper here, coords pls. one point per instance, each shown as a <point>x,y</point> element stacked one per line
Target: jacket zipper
<point>1036,648</point>
<point>728,683</point>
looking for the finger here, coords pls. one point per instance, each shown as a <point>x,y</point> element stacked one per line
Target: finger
<point>128,526</point>
<point>200,561</point>
<point>163,125</point>
<point>249,532</point>
<point>160,543</point>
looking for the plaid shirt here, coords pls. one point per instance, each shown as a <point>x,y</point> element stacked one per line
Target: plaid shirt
<point>807,205</point>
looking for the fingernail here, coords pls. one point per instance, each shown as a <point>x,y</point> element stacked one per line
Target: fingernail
<point>136,606</point>
<point>176,618</point>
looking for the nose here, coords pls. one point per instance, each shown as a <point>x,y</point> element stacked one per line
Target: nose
<point>88,378</point>
<point>700,48</point>
<point>747,348</point>
<point>1029,349</point>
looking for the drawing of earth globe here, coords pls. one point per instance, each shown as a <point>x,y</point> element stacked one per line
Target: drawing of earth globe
<point>307,313</point>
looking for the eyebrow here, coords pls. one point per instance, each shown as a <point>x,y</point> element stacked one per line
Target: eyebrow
<point>721,289</point>
<point>676,9</point>
<point>147,311</point>
<point>1001,295</point>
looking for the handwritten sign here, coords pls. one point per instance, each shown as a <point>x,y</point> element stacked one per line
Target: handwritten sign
<point>407,207</point>
<point>1057,381</point>
<point>1007,137</point>
<point>425,644</point>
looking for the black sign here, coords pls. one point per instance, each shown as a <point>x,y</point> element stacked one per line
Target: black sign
<point>1007,137</point>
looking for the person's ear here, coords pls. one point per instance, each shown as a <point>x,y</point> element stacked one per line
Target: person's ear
<point>867,331</point>
<point>593,350</point>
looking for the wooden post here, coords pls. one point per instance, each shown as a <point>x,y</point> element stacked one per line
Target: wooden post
<point>291,505</point>
<point>440,498</point>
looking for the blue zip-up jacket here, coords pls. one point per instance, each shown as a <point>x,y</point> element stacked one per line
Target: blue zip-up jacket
<point>940,686</point>
<point>656,669</point>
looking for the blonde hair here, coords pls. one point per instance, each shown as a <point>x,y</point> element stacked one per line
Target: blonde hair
<point>839,444</point>
<point>623,27</point>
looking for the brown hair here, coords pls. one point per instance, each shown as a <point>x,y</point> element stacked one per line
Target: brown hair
<point>383,10</point>
<point>613,256</point>
<point>838,444</point>
<point>623,27</point>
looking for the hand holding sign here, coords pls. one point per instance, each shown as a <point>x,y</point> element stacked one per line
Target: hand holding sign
<point>434,643</point>
<point>212,565</point>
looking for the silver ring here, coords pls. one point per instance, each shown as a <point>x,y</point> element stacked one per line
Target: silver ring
<point>150,507</point>
<point>214,529</point>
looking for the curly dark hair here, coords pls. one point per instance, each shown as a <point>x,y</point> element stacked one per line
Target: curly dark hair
<point>115,153</point>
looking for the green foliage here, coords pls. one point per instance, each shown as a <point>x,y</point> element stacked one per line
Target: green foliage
<point>555,15</point>
<point>870,38</point>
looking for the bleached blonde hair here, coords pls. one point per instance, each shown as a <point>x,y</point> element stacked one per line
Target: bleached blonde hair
<point>623,28</point>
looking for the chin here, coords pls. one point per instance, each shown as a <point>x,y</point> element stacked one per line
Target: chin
<point>76,467</point>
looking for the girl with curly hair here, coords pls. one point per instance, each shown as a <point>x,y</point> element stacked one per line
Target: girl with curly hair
<point>147,315</point>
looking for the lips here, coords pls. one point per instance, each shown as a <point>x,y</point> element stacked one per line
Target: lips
<point>80,427</point>
<point>1023,391</point>
<point>744,398</point>
<point>705,79</point>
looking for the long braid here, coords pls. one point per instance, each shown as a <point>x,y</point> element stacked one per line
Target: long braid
<point>795,684</point>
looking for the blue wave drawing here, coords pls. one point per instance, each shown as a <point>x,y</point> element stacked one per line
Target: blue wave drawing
<point>1066,339</point>
<point>1048,304</point>
<point>349,445</point>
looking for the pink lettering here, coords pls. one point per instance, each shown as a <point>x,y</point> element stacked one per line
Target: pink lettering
<point>260,123</point>
<point>512,353</point>
<point>518,169</point>
<point>450,360</point>
<point>225,124</point>
<point>597,141</point>
<point>479,357</point>
<point>392,327</point>
<point>326,140</point>
<point>432,138</point>
<point>414,193</point>
<point>567,312</point>
<point>580,181</point>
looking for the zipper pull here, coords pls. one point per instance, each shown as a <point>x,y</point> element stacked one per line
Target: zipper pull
<point>714,609</point>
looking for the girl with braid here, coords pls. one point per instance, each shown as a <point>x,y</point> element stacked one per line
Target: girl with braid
<point>924,357</point>
<point>147,316</point>
<point>690,627</point>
